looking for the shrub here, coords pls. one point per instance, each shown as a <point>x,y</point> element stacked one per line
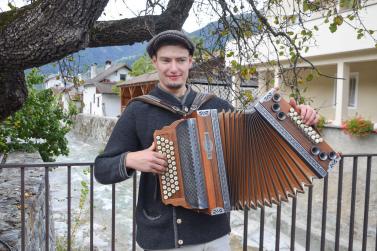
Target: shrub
<point>358,126</point>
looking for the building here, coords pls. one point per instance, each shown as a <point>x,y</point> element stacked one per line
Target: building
<point>100,95</point>
<point>349,62</point>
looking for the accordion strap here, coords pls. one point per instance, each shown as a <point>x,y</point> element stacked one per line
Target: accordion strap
<point>199,100</point>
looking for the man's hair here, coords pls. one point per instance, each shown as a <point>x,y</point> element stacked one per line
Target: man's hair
<point>169,37</point>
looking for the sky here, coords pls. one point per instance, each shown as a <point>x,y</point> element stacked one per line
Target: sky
<point>118,9</point>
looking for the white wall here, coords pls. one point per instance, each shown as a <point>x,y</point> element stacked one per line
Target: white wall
<point>111,105</point>
<point>88,93</point>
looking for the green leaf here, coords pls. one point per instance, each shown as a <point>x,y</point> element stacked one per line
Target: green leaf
<point>338,20</point>
<point>309,77</point>
<point>333,28</point>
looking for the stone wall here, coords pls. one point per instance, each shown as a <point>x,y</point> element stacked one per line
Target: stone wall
<point>35,214</point>
<point>95,127</point>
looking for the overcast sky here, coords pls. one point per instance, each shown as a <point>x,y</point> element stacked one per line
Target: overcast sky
<point>118,9</point>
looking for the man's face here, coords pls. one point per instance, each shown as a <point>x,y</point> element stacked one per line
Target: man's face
<point>172,63</point>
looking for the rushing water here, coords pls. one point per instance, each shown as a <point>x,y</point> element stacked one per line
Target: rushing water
<point>85,150</point>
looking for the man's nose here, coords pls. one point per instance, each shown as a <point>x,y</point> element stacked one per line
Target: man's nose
<point>173,66</point>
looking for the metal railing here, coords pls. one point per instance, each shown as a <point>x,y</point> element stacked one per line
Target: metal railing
<point>340,206</point>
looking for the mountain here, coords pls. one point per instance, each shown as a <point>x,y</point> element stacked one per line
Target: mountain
<point>129,53</point>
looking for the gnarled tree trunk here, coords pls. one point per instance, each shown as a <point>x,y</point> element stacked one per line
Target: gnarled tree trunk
<point>48,30</point>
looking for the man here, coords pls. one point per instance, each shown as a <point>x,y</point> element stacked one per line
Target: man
<point>130,148</point>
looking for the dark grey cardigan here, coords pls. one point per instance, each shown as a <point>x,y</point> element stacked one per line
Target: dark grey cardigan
<point>158,226</point>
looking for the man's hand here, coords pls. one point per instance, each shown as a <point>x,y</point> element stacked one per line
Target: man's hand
<point>308,115</point>
<point>147,160</point>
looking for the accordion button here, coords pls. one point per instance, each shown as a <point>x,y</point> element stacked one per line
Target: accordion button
<point>171,143</point>
<point>166,197</point>
<point>176,183</point>
<point>174,168</point>
<point>165,192</point>
<point>173,191</point>
<point>172,158</point>
<point>162,139</point>
<point>180,242</point>
<point>179,221</point>
<point>169,194</point>
<point>174,172</point>
<point>168,156</point>
<point>173,162</point>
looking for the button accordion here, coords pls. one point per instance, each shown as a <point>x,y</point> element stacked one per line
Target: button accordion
<point>225,161</point>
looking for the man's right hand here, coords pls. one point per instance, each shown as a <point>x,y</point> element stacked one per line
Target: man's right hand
<point>147,160</point>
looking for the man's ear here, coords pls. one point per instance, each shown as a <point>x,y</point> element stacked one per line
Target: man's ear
<point>191,61</point>
<point>154,60</point>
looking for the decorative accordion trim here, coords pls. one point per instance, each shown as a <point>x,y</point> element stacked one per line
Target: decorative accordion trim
<point>220,159</point>
<point>291,140</point>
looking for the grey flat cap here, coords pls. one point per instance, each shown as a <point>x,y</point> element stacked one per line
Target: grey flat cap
<point>173,36</point>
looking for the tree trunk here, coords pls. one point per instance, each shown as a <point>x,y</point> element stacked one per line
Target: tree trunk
<point>48,30</point>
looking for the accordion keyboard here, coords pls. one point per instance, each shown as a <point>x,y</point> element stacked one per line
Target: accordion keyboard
<point>169,180</point>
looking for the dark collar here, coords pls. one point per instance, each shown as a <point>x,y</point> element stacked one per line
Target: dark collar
<point>173,100</point>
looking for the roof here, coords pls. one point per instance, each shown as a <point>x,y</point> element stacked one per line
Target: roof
<point>105,88</point>
<point>142,79</point>
<point>107,72</point>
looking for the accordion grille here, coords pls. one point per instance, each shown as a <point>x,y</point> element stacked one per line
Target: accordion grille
<point>193,178</point>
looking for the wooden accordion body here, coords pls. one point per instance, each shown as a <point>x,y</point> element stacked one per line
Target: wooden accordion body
<point>230,160</point>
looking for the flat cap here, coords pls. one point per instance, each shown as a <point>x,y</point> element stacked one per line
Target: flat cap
<point>169,36</point>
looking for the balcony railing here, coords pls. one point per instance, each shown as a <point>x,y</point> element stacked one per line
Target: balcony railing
<point>349,164</point>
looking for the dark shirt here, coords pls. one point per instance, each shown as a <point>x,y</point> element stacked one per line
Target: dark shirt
<point>158,226</point>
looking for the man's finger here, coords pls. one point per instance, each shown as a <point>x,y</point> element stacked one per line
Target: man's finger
<point>152,147</point>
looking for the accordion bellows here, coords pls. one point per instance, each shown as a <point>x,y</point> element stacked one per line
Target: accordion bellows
<point>231,160</point>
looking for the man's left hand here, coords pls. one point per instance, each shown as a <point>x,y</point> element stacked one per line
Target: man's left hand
<point>308,115</point>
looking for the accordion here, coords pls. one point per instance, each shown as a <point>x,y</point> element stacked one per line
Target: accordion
<point>225,161</point>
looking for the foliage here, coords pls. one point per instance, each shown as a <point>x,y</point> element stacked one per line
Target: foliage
<point>357,126</point>
<point>141,66</point>
<point>273,37</point>
<point>115,89</point>
<point>41,124</point>
<point>321,123</point>
<point>78,219</point>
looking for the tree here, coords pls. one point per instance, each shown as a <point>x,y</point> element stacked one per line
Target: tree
<point>47,30</point>
<point>246,28</point>
<point>41,124</point>
<point>141,66</point>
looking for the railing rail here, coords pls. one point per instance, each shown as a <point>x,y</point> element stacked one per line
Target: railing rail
<point>323,245</point>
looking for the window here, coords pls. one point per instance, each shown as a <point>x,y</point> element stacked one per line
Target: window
<point>123,76</point>
<point>97,101</point>
<point>94,98</point>
<point>353,91</point>
<point>352,97</point>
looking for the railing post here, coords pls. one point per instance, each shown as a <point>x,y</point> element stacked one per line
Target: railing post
<point>261,230</point>
<point>293,224</point>
<point>22,208</point>
<point>47,207</point>
<point>91,205</point>
<point>366,204</point>
<point>309,218</point>
<point>324,213</point>
<point>245,227</point>
<point>69,196</point>
<point>353,204</point>
<point>339,204</point>
<point>113,217</point>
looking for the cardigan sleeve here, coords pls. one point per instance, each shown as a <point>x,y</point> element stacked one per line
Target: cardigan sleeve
<point>110,166</point>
